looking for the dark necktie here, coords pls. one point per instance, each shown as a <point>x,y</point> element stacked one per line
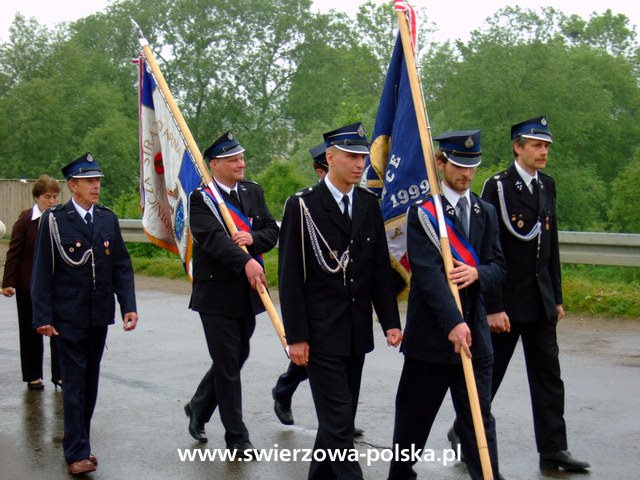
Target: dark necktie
<point>236,198</point>
<point>463,208</point>
<point>345,213</point>
<point>535,189</point>
<point>87,218</point>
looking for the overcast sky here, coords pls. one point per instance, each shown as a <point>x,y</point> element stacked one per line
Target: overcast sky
<point>454,19</point>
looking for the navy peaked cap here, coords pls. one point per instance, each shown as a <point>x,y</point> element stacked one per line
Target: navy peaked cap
<point>318,153</point>
<point>225,146</point>
<point>536,128</point>
<point>84,167</point>
<point>461,147</point>
<point>350,138</point>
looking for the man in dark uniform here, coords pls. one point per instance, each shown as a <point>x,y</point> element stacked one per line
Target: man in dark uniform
<point>225,279</point>
<point>80,262</point>
<point>333,265</point>
<point>436,333</point>
<point>288,382</point>
<point>530,303</point>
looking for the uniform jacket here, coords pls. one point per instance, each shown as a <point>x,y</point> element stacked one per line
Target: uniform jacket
<point>19,262</point>
<point>533,285</point>
<point>220,285</point>
<point>432,312</point>
<point>333,312</point>
<point>63,294</point>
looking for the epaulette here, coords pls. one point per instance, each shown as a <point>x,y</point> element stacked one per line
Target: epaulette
<point>546,175</point>
<point>305,191</point>
<point>421,200</point>
<point>60,206</point>
<point>102,207</point>
<point>247,183</point>
<point>366,190</point>
<point>499,175</point>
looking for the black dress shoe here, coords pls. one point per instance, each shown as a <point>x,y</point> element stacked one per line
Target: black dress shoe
<point>196,429</point>
<point>454,440</point>
<point>358,432</point>
<point>561,459</point>
<point>244,450</point>
<point>283,413</point>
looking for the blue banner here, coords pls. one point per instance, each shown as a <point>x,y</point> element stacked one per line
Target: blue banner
<point>396,169</point>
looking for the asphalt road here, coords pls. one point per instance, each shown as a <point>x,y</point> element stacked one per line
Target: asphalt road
<point>147,375</point>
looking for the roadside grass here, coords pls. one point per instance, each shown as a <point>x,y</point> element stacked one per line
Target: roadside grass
<point>149,260</point>
<point>152,261</point>
<point>601,290</point>
<point>587,289</point>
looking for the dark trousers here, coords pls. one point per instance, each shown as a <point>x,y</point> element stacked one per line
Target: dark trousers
<point>541,351</point>
<point>288,383</point>
<point>80,355</point>
<point>421,390</point>
<point>31,350</point>
<point>228,343</point>
<point>335,386</point>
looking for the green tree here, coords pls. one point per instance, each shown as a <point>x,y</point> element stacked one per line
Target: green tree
<point>279,180</point>
<point>624,213</point>
<point>521,66</point>
<point>607,32</point>
<point>278,75</point>
<point>20,58</point>
<point>332,83</point>
<point>229,65</point>
<point>64,110</point>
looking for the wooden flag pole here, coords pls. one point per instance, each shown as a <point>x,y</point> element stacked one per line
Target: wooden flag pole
<point>434,187</point>
<point>204,173</point>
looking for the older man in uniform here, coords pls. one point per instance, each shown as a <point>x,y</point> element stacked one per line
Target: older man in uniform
<point>334,264</point>
<point>530,303</point>
<point>225,279</point>
<point>80,262</point>
<point>437,333</point>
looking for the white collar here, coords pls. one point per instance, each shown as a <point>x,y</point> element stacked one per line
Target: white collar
<point>525,175</point>
<point>81,211</point>
<point>35,212</point>
<point>337,194</point>
<point>226,189</point>
<point>452,196</point>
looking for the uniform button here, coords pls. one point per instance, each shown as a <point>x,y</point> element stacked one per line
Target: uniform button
<point>351,260</point>
<point>351,242</point>
<point>351,280</point>
<point>353,300</point>
<point>368,239</point>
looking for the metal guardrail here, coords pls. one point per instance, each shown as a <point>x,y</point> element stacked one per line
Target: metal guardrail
<point>132,231</point>
<point>619,249</point>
